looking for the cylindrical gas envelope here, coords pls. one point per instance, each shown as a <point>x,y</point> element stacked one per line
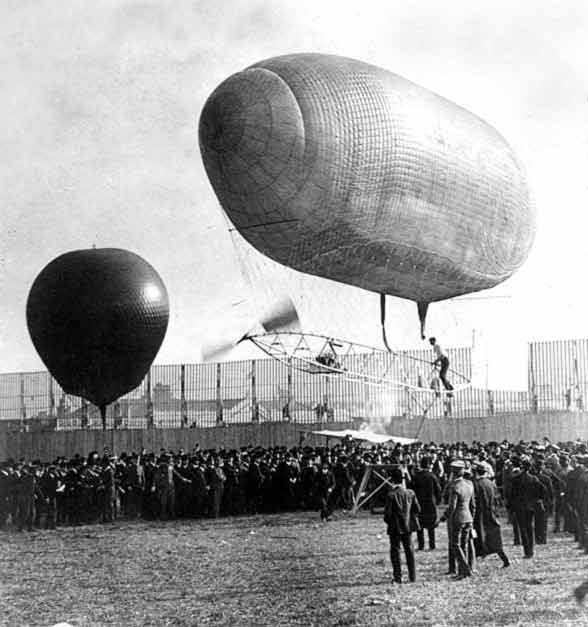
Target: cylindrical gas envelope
<point>344,170</point>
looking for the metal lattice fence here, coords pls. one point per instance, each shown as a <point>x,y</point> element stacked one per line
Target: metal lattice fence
<point>266,390</point>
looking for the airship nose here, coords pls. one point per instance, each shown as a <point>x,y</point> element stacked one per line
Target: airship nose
<point>222,123</point>
<point>251,134</point>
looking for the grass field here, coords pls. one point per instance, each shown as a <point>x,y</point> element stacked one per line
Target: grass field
<point>271,570</point>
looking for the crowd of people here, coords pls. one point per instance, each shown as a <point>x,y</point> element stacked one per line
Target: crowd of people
<point>531,480</point>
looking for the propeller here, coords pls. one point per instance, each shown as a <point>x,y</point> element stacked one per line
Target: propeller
<point>282,316</point>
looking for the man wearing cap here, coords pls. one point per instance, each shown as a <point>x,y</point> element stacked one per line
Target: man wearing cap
<point>401,513</point>
<point>460,512</point>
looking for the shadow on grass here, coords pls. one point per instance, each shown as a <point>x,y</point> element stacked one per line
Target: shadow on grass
<point>309,585</point>
<point>526,617</point>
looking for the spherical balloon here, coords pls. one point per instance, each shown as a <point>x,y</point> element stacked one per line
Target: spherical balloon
<point>344,170</point>
<point>97,318</point>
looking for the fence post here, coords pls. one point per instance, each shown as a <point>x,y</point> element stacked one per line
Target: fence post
<point>532,386</point>
<point>254,403</point>
<point>286,410</point>
<point>51,410</point>
<point>219,398</point>
<point>183,403</point>
<point>23,409</point>
<point>149,402</point>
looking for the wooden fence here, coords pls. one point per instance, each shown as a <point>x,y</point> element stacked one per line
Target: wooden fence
<point>46,445</point>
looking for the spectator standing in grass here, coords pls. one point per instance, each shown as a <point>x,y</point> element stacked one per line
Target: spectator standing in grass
<point>135,485</point>
<point>461,509</point>
<point>488,533</point>
<point>527,496</point>
<point>401,513</point>
<point>26,493</point>
<point>324,484</point>
<point>164,489</point>
<point>546,507</point>
<point>428,492</point>
<point>108,505</point>
<point>216,480</point>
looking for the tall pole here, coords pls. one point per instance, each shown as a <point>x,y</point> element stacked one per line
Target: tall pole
<point>23,409</point>
<point>149,401</point>
<point>183,403</point>
<point>254,405</point>
<point>219,398</point>
<point>288,412</point>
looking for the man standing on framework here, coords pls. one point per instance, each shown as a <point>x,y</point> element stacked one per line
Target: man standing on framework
<point>442,361</point>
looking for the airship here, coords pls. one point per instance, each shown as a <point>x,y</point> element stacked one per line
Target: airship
<point>344,170</point>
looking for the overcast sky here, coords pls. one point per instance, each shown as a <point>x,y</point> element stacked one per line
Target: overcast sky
<point>100,104</point>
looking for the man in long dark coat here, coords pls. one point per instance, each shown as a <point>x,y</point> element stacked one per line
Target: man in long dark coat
<point>324,484</point>
<point>343,496</point>
<point>26,492</point>
<point>135,486</point>
<point>254,486</point>
<point>486,525</point>
<point>428,492</point>
<point>510,473</point>
<point>527,497</point>
<point>215,478</point>
<point>401,513</point>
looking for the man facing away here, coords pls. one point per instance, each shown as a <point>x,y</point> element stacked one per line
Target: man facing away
<point>486,524</point>
<point>401,516</point>
<point>442,361</point>
<point>428,493</point>
<point>527,497</point>
<point>460,512</point>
